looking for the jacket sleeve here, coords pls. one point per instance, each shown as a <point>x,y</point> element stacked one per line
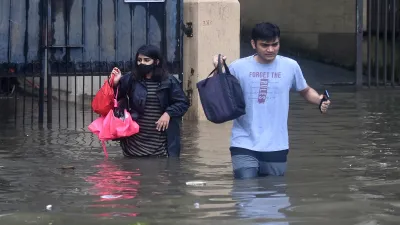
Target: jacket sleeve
<point>179,103</point>
<point>123,86</point>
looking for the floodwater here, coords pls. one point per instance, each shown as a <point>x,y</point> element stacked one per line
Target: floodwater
<point>343,169</point>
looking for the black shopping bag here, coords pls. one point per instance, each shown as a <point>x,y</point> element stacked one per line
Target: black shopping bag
<point>221,95</point>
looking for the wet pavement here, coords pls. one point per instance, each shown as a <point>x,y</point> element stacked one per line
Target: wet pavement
<point>343,169</point>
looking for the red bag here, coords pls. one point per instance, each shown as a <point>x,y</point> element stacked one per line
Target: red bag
<point>103,101</point>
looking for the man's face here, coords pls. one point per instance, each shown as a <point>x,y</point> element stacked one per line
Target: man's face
<point>266,50</point>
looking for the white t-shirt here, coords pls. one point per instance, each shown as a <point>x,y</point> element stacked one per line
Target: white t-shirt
<point>266,90</point>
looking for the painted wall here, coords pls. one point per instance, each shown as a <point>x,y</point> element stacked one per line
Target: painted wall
<point>323,29</point>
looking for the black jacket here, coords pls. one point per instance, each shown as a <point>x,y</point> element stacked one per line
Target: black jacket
<point>172,99</point>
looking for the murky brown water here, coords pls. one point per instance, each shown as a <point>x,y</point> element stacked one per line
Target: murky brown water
<point>343,169</point>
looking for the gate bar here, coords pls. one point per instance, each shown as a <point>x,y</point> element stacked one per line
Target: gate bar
<point>43,73</point>
<point>48,75</point>
<point>393,57</point>
<point>359,47</point>
<point>369,27</point>
<point>378,21</point>
<point>385,41</point>
<point>67,58</point>
<point>9,32</point>
<point>147,23</point>
<point>83,68</point>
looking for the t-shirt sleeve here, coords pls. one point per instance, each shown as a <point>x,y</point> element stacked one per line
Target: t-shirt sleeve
<point>299,82</point>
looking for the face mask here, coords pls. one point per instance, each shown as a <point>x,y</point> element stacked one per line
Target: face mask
<point>145,69</point>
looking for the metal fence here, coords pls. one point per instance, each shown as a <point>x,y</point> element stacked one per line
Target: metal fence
<point>19,92</point>
<point>71,90</point>
<point>380,31</point>
<point>56,54</point>
<point>63,98</point>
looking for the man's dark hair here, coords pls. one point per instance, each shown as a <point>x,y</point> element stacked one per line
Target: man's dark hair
<point>160,71</point>
<point>265,32</point>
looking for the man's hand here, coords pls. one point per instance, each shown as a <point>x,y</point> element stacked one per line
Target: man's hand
<point>215,59</point>
<point>162,123</point>
<point>313,97</point>
<point>325,104</point>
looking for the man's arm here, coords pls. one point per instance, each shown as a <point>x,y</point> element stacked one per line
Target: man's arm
<point>307,92</point>
<point>311,95</point>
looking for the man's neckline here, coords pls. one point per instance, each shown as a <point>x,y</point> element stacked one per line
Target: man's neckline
<point>253,58</point>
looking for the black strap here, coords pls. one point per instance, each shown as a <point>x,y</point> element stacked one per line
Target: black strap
<point>219,67</point>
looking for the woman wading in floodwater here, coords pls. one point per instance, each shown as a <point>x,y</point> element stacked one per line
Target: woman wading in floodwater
<point>156,102</point>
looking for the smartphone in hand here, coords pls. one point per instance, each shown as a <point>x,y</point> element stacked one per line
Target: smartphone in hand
<point>324,99</point>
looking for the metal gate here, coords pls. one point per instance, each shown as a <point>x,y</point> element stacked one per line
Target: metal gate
<point>378,47</point>
<point>59,52</point>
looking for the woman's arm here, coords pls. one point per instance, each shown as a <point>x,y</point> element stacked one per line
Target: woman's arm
<point>180,103</point>
<point>123,85</point>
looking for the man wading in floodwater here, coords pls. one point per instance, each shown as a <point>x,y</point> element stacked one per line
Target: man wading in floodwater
<point>259,140</point>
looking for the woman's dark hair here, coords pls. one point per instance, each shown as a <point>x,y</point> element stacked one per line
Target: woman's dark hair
<point>160,71</point>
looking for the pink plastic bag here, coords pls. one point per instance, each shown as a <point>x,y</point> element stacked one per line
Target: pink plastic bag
<point>96,127</point>
<point>110,127</point>
<point>114,127</point>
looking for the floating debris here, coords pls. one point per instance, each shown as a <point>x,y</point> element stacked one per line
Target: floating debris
<point>111,196</point>
<point>67,167</point>
<point>196,183</point>
<point>49,207</point>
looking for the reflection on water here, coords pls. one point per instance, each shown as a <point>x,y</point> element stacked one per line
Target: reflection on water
<point>111,183</point>
<point>261,198</point>
<point>343,169</point>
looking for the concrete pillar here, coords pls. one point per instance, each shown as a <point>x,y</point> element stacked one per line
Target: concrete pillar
<point>216,29</point>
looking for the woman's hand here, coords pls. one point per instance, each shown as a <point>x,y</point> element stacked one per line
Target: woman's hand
<point>117,75</point>
<point>162,123</point>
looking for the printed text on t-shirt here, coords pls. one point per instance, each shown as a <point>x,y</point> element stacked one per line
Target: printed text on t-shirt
<point>264,81</point>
